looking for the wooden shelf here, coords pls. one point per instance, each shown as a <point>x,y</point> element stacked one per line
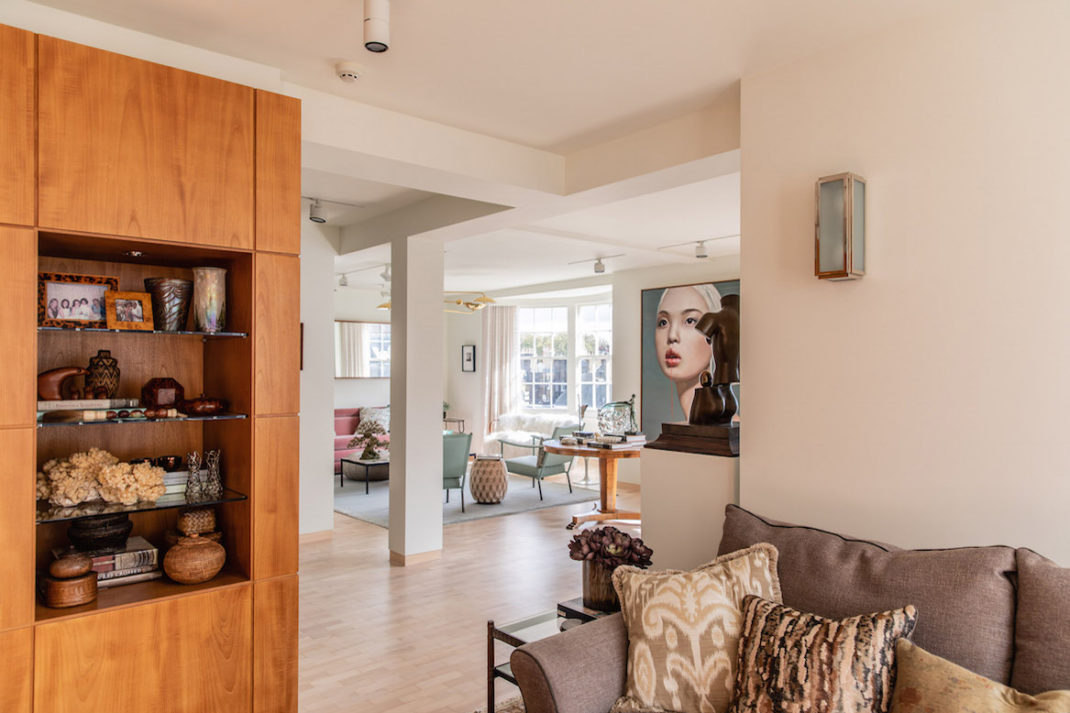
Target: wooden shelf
<point>206,335</point>
<point>46,512</point>
<point>125,595</point>
<point>114,421</point>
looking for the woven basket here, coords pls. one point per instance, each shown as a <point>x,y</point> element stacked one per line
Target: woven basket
<point>196,521</point>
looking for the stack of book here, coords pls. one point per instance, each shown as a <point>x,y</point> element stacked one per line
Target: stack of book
<point>175,483</point>
<point>138,562</point>
<point>617,441</point>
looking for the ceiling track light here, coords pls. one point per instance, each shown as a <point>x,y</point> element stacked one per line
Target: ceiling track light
<point>700,245</point>
<point>599,264</point>
<point>700,250</point>
<point>316,213</point>
<point>377,25</point>
<point>343,281</point>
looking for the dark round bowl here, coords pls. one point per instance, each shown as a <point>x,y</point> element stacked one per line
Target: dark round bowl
<point>168,463</point>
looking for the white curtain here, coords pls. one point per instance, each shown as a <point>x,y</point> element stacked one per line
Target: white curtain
<point>351,353</point>
<point>500,377</point>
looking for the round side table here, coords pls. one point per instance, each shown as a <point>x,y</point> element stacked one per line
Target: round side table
<point>487,481</point>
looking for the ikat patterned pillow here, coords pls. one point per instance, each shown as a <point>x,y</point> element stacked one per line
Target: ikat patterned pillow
<point>683,630</point>
<point>791,662</point>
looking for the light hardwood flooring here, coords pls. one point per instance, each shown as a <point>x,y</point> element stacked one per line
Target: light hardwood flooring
<point>389,639</point>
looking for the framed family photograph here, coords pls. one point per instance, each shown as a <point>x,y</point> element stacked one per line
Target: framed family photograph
<point>129,310</point>
<point>468,357</point>
<point>72,301</point>
<point>674,352</point>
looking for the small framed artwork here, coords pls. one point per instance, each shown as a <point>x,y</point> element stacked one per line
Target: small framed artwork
<point>72,301</point>
<point>129,310</point>
<point>468,357</point>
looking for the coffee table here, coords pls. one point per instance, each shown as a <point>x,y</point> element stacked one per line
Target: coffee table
<point>366,464</point>
<point>607,471</point>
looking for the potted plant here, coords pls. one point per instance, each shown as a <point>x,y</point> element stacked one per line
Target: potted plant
<point>445,408</point>
<point>602,550</point>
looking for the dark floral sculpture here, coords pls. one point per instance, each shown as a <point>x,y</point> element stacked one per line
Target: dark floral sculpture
<point>367,437</point>
<point>610,548</point>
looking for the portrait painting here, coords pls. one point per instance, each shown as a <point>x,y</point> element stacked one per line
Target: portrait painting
<point>674,352</point>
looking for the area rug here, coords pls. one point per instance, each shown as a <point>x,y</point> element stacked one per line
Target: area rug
<point>512,705</point>
<point>375,506</point>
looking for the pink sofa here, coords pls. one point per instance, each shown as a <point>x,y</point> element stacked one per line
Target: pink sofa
<point>346,421</point>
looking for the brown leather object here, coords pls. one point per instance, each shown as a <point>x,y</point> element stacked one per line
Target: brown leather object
<point>50,383</point>
<point>579,671</point>
<point>71,566</point>
<point>964,596</point>
<point>61,593</point>
<point>1042,634</point>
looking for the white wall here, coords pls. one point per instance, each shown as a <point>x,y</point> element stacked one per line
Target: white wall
<point>358,305</point>
<point>627,327</point>
<point>925,404</point>
<point>464,390</point>
<point>317,424</point>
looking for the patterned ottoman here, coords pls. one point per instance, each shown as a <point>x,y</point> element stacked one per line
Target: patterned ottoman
<point>487,480</point>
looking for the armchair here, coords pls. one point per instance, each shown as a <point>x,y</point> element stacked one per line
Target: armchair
<point>455,462</point>
<point>540,464</point>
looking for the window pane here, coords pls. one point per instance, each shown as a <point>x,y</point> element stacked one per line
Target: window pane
<point>527,394</point>
<point>561,370</point>
<point>605,316</point>
<point>561,344</point>
<point>527,344</point>
<point>585,369</point>
<point>560,318</point>
<point>542,395</point>
<point>542,371</point>
<point>600,395</point>
<point>600,371</point>
<point>386,370</point>
<point>543,345</point>
<point>525,370</point>
<point>603,343</point>
<point>560,395</point>
<point>587,394</point>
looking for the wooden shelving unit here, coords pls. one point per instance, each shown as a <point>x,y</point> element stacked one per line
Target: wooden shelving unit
<point>149,171</point>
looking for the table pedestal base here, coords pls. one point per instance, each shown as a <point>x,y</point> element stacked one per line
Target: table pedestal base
<point>599,515</point>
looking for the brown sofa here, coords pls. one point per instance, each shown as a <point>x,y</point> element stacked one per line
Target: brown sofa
<point>1001,612</point>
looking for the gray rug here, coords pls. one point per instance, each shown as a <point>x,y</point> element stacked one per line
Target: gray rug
<point>375,506</point>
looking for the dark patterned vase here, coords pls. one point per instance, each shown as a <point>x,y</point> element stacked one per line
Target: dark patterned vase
<point>170,302</point>
<point>102,381</point>
<point>598,591</point>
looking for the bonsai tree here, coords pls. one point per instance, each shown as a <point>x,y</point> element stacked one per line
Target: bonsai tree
<point>367,437</point>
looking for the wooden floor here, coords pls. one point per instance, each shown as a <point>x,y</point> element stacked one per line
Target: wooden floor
<point>383,639</point>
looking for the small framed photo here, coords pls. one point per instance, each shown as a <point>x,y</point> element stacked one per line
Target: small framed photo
<point>468,357</point>
<point>72,301</point>
<point>129,310</point>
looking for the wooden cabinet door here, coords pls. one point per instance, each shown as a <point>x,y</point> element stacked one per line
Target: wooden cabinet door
<point>277,324</point>
<point>191,654</point>
<point>18,325</point>
<point>127,147</point>
<point>275,490</point>
<point>16,675</point>
<point>16,126</point>
<point>278,173</point>
<point>17,483</point>
<point>275,646</point>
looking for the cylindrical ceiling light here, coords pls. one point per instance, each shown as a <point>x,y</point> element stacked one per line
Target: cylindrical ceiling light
<point>599,266</point>
<point>700,250</point>
<point>315,213</point>
<point>343,281</point>
<point>377,25</point>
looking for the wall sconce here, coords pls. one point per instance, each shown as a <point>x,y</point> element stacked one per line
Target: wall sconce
<point>840,234</point>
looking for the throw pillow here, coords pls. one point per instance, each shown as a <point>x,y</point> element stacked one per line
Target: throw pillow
<point>925,682</point>
<point>1041,643</point>
<point>683,628</point>
<point>791,662</point>
<point>380,415</point>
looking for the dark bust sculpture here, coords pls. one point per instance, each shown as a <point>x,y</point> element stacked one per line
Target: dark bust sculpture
<point>714,402</point>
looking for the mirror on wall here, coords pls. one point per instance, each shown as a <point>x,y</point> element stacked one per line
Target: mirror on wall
<point>361,350</point>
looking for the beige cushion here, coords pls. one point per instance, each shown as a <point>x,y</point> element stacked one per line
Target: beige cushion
<point>927,683</point>
<point>791,662</point>
<point>1042,636</point>
<point>965,595</point>
<point>683,629</point>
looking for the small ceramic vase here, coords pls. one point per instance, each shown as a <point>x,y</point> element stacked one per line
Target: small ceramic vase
<point>210,298</point>
<point>598,591</point>
<point>102,381</point>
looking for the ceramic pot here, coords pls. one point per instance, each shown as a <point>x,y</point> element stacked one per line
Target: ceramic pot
<point>170,302</point>
<point>105,533</point>
<point>598,591</point>
<point>194,560</point>
<point>210,298</point>
<point>102,381</point>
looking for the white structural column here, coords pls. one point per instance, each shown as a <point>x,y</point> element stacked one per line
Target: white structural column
<point>416,387</point>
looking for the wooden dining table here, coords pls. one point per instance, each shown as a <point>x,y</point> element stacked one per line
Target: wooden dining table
<point>607,481</point>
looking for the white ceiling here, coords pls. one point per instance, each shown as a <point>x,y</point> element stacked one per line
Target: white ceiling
<point>542,252</point>
<point>347,200</point>
<point>553,74</point>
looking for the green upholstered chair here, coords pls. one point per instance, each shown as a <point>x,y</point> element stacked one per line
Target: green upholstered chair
<point>542,464</point>
<point>455,462</point>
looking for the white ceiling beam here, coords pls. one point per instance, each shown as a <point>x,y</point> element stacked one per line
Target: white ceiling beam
<point>598,240</point>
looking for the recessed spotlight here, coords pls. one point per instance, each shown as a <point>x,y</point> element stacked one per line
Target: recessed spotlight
<point>133,253</point>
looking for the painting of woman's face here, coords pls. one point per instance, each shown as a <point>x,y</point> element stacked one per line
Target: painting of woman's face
<point>683,352</point>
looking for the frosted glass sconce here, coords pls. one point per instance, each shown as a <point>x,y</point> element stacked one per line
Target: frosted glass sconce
<point>840,235</point>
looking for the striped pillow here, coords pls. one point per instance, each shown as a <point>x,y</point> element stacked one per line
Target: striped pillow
<point>791,662</point>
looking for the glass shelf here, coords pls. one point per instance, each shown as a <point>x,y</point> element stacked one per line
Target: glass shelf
<point>241,335</point>
<point>213,417</point>
<point>47,512</point>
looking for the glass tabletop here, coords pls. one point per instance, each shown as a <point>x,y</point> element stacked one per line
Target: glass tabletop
<point>533,628</point>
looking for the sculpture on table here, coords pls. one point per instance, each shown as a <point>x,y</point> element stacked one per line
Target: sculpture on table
<point>714,403</point>
<point>52,385</point>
